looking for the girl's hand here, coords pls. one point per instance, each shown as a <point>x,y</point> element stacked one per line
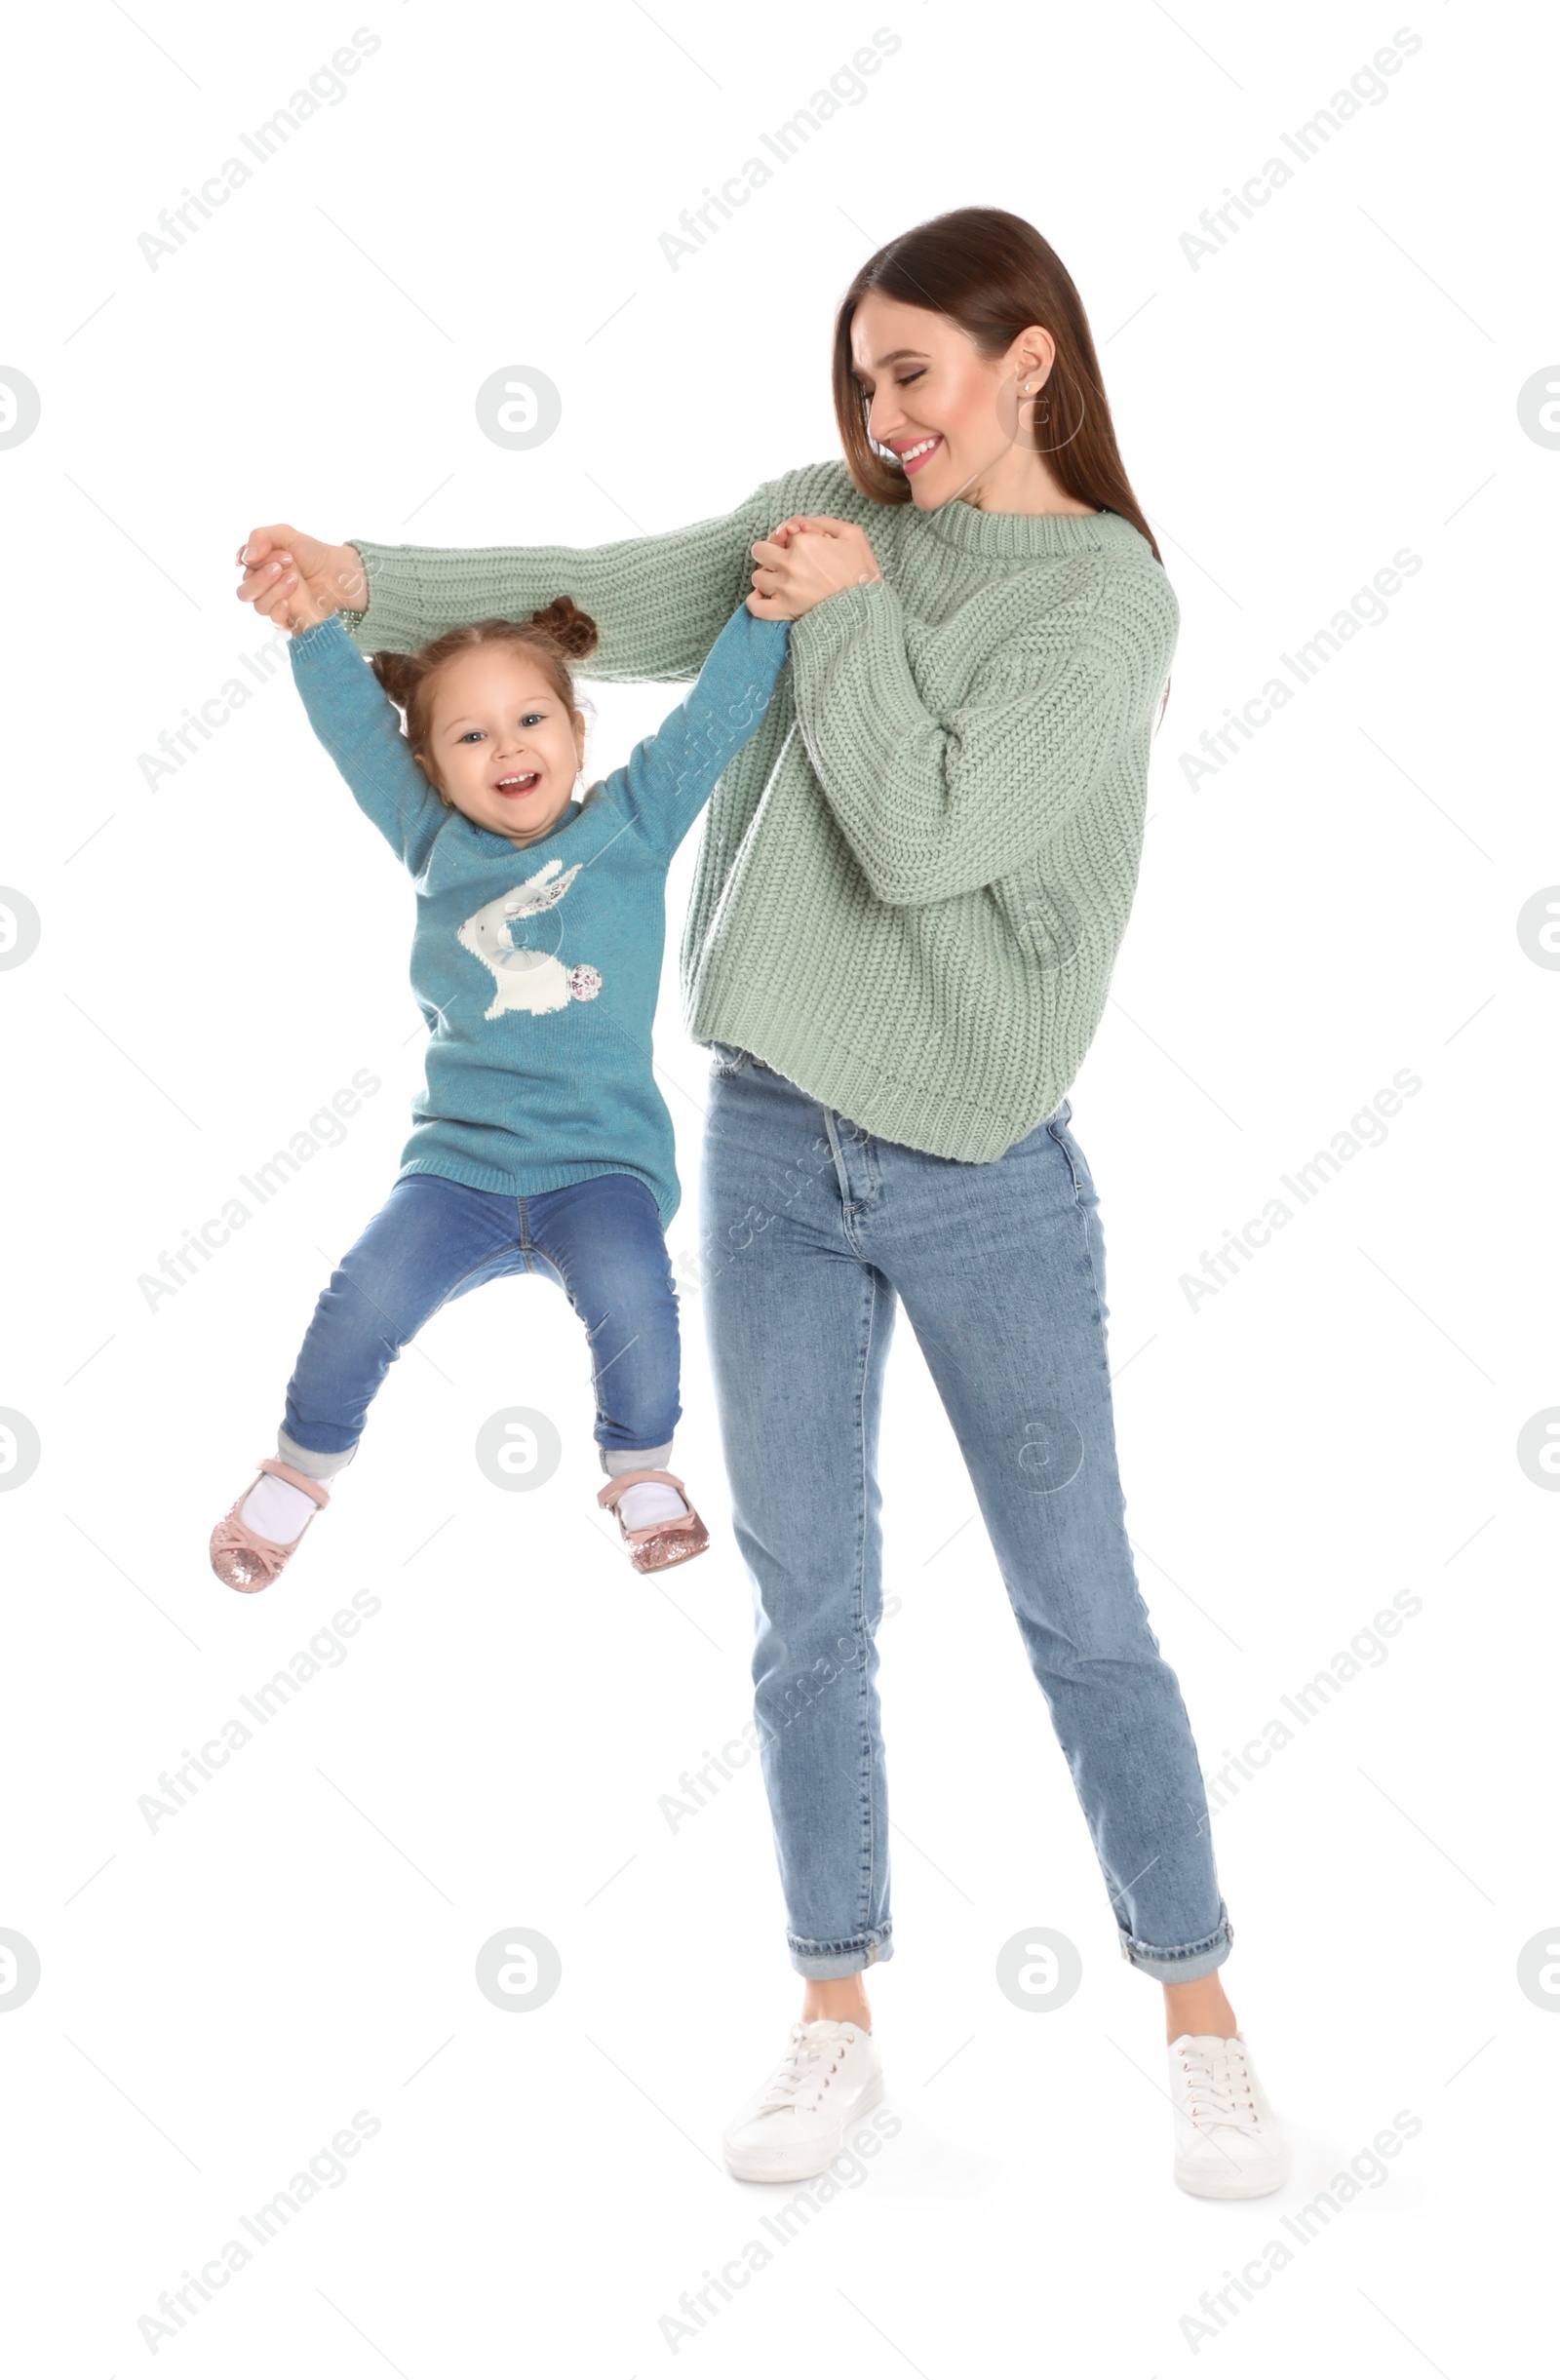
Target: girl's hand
<point>296,581</point>
<point>806,560</point>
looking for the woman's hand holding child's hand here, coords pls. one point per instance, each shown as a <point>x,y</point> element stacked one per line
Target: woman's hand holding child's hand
<point>297,581</point>
<point>804,561</point>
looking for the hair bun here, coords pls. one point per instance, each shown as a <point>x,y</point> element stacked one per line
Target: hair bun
<point>572,630</point>
<point>397,674</point>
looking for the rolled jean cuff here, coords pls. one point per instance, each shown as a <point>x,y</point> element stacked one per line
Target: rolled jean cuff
<point>1186,1964</point>
<point>821,1962</point>
<point>311,1461</point>
<point>616,1459</point>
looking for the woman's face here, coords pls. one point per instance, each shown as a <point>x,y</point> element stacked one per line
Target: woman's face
<point>948,413</point>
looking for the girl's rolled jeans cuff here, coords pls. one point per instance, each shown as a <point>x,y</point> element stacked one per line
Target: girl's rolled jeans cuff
<point>1184,1966</point>
<point>313,1462</point>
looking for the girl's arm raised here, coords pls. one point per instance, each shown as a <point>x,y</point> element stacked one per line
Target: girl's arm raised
<point>357,725</point>
<point>670,776</point>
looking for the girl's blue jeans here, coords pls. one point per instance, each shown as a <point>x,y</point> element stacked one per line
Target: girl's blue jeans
<point>434,1239</point>
<point>812,1234</point>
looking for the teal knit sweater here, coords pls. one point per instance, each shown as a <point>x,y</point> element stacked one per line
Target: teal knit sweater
<point>537,965</point>
<point>913,882</point>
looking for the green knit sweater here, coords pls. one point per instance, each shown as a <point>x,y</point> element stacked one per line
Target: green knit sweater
<point>913,882</point>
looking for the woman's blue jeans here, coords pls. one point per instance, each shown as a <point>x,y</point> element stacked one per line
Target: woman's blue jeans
<point>434,1239</point>
<point>812,1231</point>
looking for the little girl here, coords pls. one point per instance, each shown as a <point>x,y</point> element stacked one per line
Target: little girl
<point>541,1141</point>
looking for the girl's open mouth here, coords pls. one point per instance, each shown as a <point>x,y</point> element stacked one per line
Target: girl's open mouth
<point>525,781</point>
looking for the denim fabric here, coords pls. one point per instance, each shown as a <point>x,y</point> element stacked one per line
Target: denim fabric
<point>435,1239</point>
<point>813,1231</point>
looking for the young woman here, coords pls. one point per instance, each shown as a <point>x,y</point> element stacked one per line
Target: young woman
<point>911,887</point>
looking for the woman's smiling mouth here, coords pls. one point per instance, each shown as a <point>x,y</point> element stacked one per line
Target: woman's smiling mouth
<point>912,457</point>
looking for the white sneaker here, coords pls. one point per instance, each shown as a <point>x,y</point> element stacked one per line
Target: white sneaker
<point>794,2125</point>
<point>1228,2142</point>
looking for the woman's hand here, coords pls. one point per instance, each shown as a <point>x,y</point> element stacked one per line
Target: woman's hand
<point>296,581</point>
<point>806,560</point>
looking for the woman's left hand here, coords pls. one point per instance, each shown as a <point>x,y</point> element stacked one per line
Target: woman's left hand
<point>806,560</point>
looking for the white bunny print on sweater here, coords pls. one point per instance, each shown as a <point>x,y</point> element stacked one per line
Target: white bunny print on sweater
<point>533,981</point>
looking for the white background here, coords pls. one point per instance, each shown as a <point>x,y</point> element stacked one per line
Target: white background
<point>221,952</point>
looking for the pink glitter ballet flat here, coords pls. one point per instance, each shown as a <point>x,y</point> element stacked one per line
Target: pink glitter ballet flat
<point>662,1543</point>
<point>242,1558</point>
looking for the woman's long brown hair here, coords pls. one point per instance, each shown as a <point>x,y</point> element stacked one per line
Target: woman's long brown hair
<point>993,275</point>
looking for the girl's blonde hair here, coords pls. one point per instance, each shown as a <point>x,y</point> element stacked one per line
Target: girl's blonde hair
<point>557,633</point>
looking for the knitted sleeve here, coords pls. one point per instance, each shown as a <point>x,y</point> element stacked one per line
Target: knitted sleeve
<point>359,726</point>
<point>658,601</point>
<point>933,807</point>
<point>669,776</point>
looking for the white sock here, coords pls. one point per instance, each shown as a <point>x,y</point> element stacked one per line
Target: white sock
<point>276,1509</point>
<point>650,1501</point>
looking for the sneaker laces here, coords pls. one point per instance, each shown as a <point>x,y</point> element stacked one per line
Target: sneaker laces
<point>1217,2085</point>
<point>800,2079</point>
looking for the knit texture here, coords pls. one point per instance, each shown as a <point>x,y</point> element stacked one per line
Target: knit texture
<point>537,965</point>
<point>913,882</point>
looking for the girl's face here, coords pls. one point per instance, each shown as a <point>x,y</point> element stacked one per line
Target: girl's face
<point>502,743</point>
<point>949,414</point>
